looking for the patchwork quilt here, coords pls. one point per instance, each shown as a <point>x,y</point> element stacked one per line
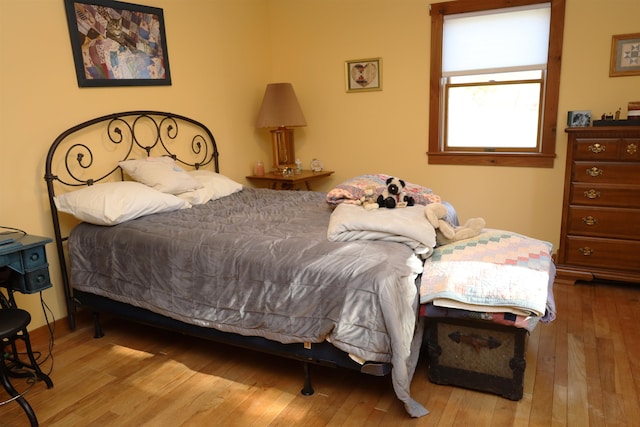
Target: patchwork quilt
<point>496,271</point>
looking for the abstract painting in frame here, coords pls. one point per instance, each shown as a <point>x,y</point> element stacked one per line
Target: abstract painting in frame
<point>625,55</point>
<point>117,44</point>
<point>363,74</point>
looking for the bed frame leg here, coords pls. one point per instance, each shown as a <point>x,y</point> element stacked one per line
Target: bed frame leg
<point>307,390</point>
<point>97,329</point>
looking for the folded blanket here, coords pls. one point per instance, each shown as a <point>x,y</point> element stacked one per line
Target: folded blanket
<point>497,271</point>
<point>351,190</point>
<point>408,226</point>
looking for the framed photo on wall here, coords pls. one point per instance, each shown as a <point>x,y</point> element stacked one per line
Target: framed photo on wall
<point>363,74</point>
<point>625,55</point>
<point>117,44</point>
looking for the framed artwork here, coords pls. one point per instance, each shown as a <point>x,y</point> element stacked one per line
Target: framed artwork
<point>117,44</point>
<point>363,75</point>
<point>579,119</point>
<point>625,55</point>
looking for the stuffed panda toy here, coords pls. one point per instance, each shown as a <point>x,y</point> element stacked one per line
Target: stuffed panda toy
<point>394,195</point>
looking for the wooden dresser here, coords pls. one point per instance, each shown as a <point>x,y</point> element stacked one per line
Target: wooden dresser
<point>600,236</point>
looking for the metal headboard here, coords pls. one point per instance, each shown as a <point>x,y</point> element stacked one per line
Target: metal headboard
<point>89,153</point>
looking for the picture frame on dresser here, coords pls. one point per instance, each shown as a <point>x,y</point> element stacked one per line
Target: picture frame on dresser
<point>579,118</point>
<point>117,44</point>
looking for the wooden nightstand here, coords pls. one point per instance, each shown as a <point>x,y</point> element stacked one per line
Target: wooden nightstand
<point>279,182</point>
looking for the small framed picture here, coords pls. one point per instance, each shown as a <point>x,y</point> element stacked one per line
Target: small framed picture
<point>625,55</point>
<point>579,119</point>
<point>363,74</point>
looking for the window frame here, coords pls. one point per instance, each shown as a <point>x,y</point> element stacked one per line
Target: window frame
<point>544,157</point>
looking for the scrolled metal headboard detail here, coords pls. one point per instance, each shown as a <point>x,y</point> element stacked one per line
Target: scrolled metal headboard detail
<point>89,153</point>
<point>152,132</point>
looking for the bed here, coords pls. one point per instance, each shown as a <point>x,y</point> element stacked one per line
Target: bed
<point>248,267</point>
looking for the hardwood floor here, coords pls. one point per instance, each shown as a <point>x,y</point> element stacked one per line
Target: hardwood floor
<point>582,370</point>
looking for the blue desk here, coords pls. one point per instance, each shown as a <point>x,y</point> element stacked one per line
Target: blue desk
<point>23,263</point>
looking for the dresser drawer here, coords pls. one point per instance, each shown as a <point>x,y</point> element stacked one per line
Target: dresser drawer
<point>32,281</point>
<point>606,172</point>
<point>605,195</point>
<point>604,222</point>
<point>607,149</point>
<point>592,252</point>
<point>596,148</point>
<point>630,149</point>
<point>34,257</point>
<point>27,259</point>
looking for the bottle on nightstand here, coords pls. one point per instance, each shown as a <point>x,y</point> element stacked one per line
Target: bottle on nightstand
<point>258,168</point>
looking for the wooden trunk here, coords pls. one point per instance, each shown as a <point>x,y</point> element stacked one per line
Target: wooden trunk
<point>477,354</point>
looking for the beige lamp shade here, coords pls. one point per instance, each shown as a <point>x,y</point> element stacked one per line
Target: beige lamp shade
<point>280,111</point>
<point>280,107</point>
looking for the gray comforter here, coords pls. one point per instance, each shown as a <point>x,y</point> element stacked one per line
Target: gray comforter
<point>259,263</point>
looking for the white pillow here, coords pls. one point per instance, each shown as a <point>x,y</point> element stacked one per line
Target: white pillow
<point>111,203</point>
<point>214,186</point>
<point>161,173</point>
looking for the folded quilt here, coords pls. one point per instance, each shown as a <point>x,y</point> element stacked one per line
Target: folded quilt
<point>497,271</point>
<point>408,226</point>
<point>351,190</point>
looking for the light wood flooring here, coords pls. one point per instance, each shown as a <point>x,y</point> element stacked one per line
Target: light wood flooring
<point>582,370</point>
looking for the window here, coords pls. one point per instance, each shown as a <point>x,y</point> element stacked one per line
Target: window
<point>495,75</point>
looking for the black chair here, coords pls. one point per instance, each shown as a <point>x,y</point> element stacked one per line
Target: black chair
<point>13,327</point>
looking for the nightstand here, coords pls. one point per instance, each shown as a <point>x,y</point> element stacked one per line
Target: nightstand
<point>294,182</point>
<point>23,263</point>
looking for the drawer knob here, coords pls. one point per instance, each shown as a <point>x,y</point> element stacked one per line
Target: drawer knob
<point>594,171</point>
<point>589,220</point>
<point>592,194</point>
<point>586,251</point>
<point>596,148</point>
<point>632,149</point>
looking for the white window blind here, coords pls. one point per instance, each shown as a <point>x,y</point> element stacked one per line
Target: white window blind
<point>514,38</point>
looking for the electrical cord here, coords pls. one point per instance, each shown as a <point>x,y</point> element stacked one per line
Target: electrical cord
<point>13,230</point>
<point>51,326</point>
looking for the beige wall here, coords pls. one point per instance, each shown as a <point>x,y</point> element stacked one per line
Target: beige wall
<point>218,52</point>
<point>223,52</point>
<point>387,131</point>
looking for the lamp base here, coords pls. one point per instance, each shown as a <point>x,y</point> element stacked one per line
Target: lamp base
<point>283,149</point>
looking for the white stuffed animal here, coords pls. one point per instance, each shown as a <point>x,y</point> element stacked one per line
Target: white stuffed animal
<point>446,232</point>
<point>368,200</point>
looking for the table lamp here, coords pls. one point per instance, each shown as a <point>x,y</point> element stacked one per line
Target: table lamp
<point>280,111</point>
